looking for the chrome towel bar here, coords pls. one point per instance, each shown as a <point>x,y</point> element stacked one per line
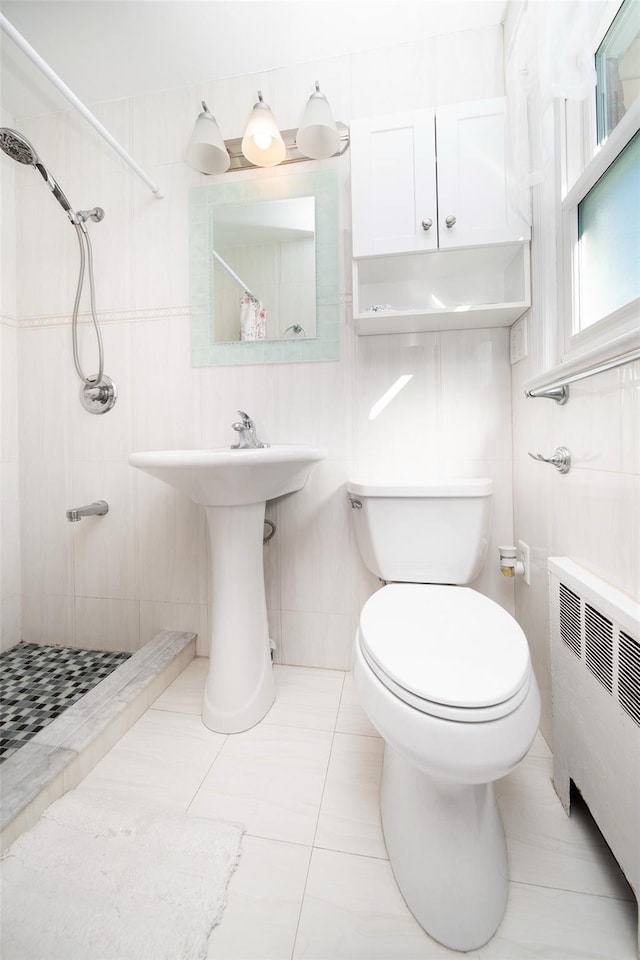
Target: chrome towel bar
<point>558,390</point>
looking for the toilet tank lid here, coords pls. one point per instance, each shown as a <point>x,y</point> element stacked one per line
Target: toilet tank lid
<point>456,487</point>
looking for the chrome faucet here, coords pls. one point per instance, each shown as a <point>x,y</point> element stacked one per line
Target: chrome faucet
<point>246,430</point>
<point>96,509</point>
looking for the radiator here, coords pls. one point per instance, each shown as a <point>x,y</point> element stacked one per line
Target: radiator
<point>595,673</point>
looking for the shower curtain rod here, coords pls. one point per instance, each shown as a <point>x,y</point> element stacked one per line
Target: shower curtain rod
<point>234,276</point>
<point>44,67</point>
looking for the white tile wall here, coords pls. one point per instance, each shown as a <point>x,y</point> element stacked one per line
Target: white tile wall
<point>172,544</point>
<point>401,77</point>
<point>10,580</point>
<point>7,229</point>
<point>469,65</point>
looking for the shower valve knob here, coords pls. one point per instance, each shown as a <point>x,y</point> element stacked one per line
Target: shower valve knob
<point>99,397</point>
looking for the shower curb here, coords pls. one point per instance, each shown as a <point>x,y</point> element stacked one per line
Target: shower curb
<point>63,753</point>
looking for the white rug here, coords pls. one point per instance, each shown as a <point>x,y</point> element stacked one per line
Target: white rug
<point>99,879</point>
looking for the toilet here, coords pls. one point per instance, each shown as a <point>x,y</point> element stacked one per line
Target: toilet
<point>444,675</point>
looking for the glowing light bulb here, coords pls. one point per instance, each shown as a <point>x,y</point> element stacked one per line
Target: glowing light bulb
<point>262,140</point>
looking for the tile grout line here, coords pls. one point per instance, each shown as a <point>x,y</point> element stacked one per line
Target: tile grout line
<point>313,846</point>
<point>207,771</point>
<point>218,752</point>
<point>577,893</point>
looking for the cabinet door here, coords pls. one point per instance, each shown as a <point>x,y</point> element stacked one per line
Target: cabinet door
<point>393,184</point>
<point>473,181</point>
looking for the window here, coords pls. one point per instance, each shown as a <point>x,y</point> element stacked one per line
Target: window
<point>618,69</point>
<point>601,211</point>
<point>609,239</point>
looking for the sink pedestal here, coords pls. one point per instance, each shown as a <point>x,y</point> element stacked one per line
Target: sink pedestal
<point>240,685</point>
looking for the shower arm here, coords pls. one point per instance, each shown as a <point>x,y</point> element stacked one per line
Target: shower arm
<point>7,27</point>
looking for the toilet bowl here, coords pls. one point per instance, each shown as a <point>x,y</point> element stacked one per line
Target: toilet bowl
<point>444,675</point>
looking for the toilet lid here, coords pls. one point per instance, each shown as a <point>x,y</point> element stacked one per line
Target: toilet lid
<point>445,644</point>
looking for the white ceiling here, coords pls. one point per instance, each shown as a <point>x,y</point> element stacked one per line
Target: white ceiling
<point>108,49</point>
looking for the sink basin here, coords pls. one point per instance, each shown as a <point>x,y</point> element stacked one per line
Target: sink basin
<point>233,487</point>
<point>231,478</point>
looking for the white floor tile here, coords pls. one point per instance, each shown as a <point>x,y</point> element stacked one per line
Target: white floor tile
<point>559,925</point>
<point>263,905</point>
<point>184,695</point>
<point>159,762</point>
<point>540,747</point>
<point>350,811</point>
<point>353,909</point>
<point>351,716</point>
<point>306,697</point>
<point>269,778</point>
<point>545,846</point>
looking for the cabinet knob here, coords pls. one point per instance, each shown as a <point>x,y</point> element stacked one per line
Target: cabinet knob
<point>450,221</point>
<point>427,223</point>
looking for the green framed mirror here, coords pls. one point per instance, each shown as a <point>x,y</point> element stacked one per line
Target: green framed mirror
<point>265,270</point>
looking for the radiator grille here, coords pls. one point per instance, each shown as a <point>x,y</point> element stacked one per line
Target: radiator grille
<point>570,618</point>
<point>629,676</point>
<point>609,652</point>
<point>598,635</point>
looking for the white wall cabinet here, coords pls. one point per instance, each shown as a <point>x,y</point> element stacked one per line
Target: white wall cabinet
<point>393,184</point>
<point>473,176</point>
<point>426,185</point>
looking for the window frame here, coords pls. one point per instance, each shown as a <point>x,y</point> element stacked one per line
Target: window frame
<point>584,162</point>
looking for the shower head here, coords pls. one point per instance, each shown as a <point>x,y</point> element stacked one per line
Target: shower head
<point>16,146</point>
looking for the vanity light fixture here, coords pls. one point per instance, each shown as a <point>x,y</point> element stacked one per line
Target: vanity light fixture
<point>262,143</point>
<point>318,136</point>
<point>207,151</point>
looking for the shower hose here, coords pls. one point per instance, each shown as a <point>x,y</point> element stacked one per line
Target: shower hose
<point>86,258</point>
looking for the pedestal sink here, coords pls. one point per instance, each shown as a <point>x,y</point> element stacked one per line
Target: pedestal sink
<point>233,487</point>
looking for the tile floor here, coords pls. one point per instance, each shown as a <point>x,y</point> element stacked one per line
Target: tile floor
<point>314,880</point>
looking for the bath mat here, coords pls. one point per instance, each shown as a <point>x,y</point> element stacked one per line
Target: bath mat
<point>99,878</point>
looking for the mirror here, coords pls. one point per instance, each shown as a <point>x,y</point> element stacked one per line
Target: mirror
<point>264,270</point>
<point>264,276</point>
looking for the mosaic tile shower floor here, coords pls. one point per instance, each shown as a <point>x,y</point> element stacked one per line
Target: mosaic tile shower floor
<point>38,683</point>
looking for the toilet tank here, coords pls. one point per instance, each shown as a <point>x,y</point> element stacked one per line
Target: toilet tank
<point>434,532</point>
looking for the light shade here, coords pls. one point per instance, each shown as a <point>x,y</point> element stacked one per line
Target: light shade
<point>262,144</point>
<point>318,135</point>
<point>207,151</point>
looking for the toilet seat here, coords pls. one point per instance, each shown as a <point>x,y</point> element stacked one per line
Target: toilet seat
<point>447,651</point>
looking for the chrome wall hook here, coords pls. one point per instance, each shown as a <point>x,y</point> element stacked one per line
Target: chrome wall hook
<point>561,459</point>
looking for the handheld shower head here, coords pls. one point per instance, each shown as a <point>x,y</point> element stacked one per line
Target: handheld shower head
<point>16,146</point>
